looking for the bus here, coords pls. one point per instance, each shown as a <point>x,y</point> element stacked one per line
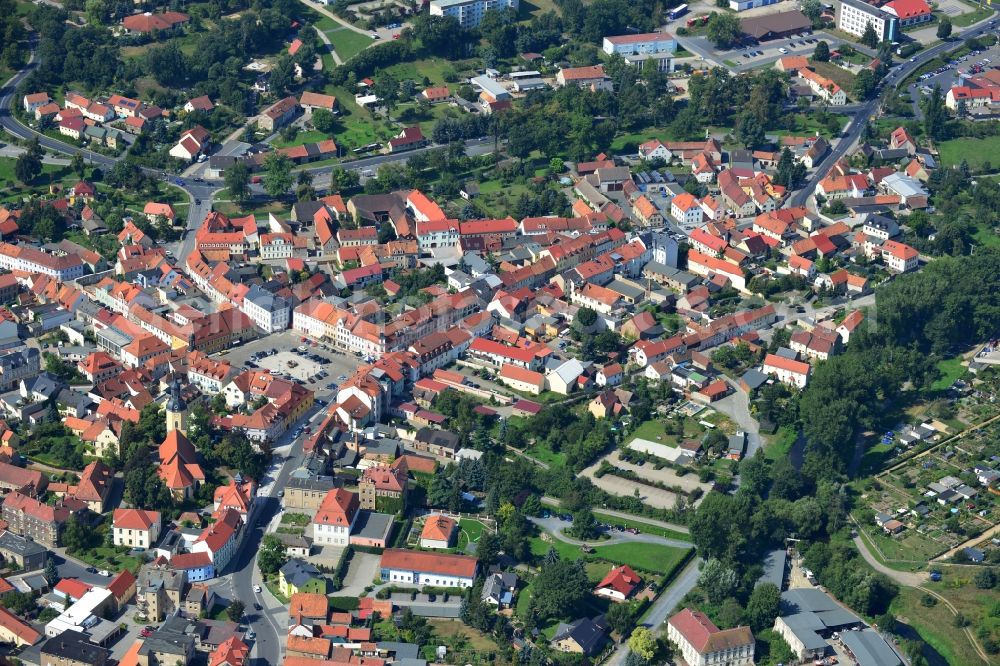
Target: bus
<point>677,12</point>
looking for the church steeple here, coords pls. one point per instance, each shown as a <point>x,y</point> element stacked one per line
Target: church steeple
<point>176,411</point>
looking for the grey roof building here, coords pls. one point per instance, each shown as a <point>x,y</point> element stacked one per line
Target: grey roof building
<point>870,649</point>
<point>73,647</point>
<point>28,554</point>
<point>298,572</point>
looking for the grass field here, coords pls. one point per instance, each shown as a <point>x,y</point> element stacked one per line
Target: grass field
<point>976,15</point>
<point>973,151</point>
<point>935,625</point>
<point>909,546</point>
<point>986,236</point>
<point>780,443</point>
<point>302,137</point>
<point>546,455</point>
<point>650,557</point>
<point>873,458</point>
<point>951,369</point>
<point>346,42</point>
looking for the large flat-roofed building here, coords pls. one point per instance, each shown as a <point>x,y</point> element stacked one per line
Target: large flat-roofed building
<point>470,13</point>
<point>855,15</point>
<point>776,26</point>
<point>649,42</point>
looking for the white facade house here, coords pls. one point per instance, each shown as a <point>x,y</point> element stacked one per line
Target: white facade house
<point>427,568</point>
<point>701,643</point>
<point>269,312</point>
<point>855,15</point>
<point>788,371</point>
<point>134,528</point>
<point>470,13</point>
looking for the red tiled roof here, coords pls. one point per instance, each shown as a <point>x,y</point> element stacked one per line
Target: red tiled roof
<point>438,563</point>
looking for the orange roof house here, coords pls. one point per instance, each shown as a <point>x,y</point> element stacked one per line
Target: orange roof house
<point>620,584</point>
<point>438,531</point>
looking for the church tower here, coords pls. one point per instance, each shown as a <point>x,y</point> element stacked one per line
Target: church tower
<point>176,409</point>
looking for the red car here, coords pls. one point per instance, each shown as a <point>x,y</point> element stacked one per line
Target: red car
<point>396,36</point>
<point>145,633</point>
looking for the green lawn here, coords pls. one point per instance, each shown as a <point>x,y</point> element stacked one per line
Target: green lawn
<point>546,455</point>
<point>985,236</point>
<point>472,528</point>
<point>301,138</point>
<point>346,42</point>
<point>780,443</point>
<point>951,369</point>
<point>874,457</point>
<point>974,16</point>
<point>973,151</point>
<point>654,432</point>
<point>650,557</point>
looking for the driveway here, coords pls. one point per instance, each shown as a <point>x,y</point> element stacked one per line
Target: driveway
<point>736,406</point>
<point>360,574</point>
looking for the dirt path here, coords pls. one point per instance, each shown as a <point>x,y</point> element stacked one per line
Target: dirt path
<point>968,631</point>
<point>902,577</point>
<point>639,520</point>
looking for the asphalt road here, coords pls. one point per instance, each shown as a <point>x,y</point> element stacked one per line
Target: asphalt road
<point>867,111</point>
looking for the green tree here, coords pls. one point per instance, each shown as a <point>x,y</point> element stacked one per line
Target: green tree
<point>584,524</point>
<point>51,572</point>
<point>621,617</point>
<point>27,167</point>
<point>277,175</point>
<point>643,643</point>
<point>559,588</point>
<point>78,536</point>
<point>762,607</point>
<point>324,121</point>
<point>237,179</point>
<point>985,579</point>
<point>944,28</point>
<point>77,164</point>
<point>724,29</point>
<point>272,555</point>
<point>813,9</point>
<point>586,317</point>
<point>865,84</point>
<point>20,603</point>
<point>749,130</point>
<point>718,580</point>
<point>235,610</point>
<point>935,115</point>
<point>822,52</point>
<point>869,37</point>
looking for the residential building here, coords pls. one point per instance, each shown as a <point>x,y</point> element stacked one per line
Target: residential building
<point>298,576</point>
<point>701,643</point>
<point>15,631</point>
<point>584,636</point>
<point>135,528</point>
<point>470,13</point>
<point>788,371</point>
<point>899,257</point>
<point>620,584</point>
<point>383,487</point>
<point>423,568</point>
<point>160,590</point>
<point>24,552</point>
<point>73,648</point>
<point>686,209</point>
<point>28,517</point>
<point>335,518</point>
<point>438,532</point>
<point>278,114</point>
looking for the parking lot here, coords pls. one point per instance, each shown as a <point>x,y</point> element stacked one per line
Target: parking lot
<point>754,55</point>
<point>312,360</point>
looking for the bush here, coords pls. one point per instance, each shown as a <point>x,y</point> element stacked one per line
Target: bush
<point>985,579</point>
<point>928,601</point>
